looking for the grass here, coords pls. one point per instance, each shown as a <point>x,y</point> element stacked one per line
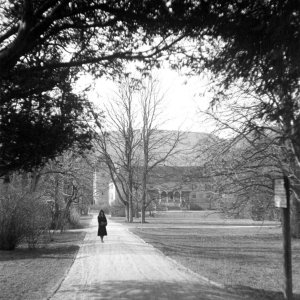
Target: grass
<point>35,274</point>
<point>240,257</point>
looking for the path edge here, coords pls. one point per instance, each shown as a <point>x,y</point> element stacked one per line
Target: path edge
<point>58,285</point>
<point>179,265</point>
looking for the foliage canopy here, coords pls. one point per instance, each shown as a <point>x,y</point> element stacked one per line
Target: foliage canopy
<point>253,42</point>
<point>43,47</point>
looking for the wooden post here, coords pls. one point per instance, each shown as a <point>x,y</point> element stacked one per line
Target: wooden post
<point>287,251</point>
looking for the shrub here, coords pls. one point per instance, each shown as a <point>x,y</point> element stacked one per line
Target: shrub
<point>74,217</point>
<point>12,229</point>
<point>37,219</point>
<point>23,216</point>
<point>251,207</point>
<point>195,207</point>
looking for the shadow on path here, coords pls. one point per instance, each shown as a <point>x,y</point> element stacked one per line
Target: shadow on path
<point>54,253</point>
<point>125,267</point>
<point>137,290</point>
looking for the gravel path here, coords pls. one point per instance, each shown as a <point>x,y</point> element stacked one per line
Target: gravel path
<point>125,267</point>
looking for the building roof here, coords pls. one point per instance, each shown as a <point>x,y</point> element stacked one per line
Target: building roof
<point>163,174</point>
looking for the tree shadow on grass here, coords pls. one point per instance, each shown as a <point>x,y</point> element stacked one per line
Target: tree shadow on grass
<point>260,293</point>
<point>235,247</point>
<point>256,255</point>
<point>136,290</point>
<point>58,252</point>
<point>235,253</point>
<point>68,237</point>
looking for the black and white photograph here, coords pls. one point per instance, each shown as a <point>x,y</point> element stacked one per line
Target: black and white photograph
<point>150,149</point>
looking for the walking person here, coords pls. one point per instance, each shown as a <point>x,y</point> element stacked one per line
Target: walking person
<point>102,222</point>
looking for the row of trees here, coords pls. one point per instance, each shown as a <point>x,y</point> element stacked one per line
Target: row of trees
<point>50,42</point>
<point>34,205</point>
<point>44,45</point>
<point>254,153</point>
<point>129,141</point>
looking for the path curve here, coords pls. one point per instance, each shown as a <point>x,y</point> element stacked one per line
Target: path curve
<point>125,267</point>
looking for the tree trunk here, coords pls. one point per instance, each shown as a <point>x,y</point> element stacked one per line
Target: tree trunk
<point>295,218</point>
<point>295,206</point>
<point>35,177</point>
<point>144,195</point>
<point>143,220</point>
<point>130,210</point>
<point>137,210</point>
<point>127,211</point>
<point>59,204</point>
<point>130,196</point>
<point>144,183</point>
<point>24,181</point>
<point>65,215</point>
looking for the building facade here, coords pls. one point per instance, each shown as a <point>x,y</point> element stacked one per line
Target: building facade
<point>170,188</point>
<point>101,181</point>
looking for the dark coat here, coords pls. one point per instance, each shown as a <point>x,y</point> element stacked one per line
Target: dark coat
<point>102,222</point>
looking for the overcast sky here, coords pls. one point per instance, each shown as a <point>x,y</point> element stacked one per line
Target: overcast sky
<point>183,98</point>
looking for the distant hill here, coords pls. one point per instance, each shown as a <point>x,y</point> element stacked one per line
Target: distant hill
<point>188,150</point>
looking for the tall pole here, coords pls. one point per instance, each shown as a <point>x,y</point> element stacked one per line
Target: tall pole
<point>287,252</point>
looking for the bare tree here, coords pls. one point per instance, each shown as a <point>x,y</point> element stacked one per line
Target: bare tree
<point>157,145</point>
<point>117,143</point>
<point>256,150</point>
<point>131,144</point>
<point>243,174</point>
<point>67,182</point>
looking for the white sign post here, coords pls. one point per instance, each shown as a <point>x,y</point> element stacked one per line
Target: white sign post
<point>279,193</point>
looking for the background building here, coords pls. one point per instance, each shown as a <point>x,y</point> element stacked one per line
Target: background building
<point>101,181</point>
<point>178,185</point>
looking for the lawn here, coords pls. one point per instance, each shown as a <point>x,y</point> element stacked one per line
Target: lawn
<point>36,274</point>
<point>238,257</point>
